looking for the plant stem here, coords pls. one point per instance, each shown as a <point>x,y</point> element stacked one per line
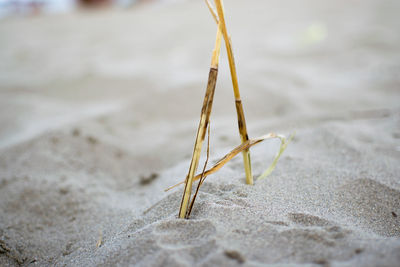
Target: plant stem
<point>238,102</point>
<point>204,120</point>
<point>202,173</point>
<point>234,152</point>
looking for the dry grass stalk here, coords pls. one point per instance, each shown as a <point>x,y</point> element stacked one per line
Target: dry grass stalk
<point>100,240</point>
<point>212,11</point>
<point>204,121</point>
<point>187,203</point>
<point>241,148</point>
<point>239,107</point>
<point>202,178</point>
<point>284,144</point>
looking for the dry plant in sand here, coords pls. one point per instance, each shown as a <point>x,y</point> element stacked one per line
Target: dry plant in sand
<point>188,202</point>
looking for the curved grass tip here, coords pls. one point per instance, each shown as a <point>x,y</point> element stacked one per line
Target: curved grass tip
<point>246,145</point>
<point>284,143</point>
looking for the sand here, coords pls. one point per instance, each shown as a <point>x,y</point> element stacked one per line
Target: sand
<point>98,116</point>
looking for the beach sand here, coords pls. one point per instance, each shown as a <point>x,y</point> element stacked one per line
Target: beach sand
<point>98,115</point>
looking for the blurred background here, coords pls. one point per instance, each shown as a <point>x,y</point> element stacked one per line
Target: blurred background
<point>35,7</point>
<point>132,74</point>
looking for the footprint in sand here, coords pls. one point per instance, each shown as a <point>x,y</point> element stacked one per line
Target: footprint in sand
<point>310,238</point>
<point>178,234</point>
<point>372,205</point>
<point>313,239</point>
<point>308,220</point>
<point>193,239</point>
<point>322,231</point>
<point>331,231</point>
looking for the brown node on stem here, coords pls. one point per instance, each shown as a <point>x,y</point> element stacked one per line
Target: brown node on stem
<point>203,124</point>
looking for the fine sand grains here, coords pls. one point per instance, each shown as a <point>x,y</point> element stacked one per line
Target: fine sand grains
<point>87,144</point>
